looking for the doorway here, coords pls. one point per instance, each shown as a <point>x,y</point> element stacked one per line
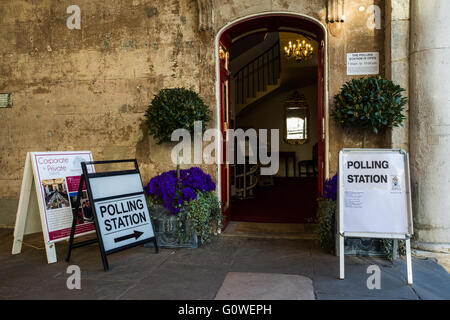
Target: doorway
<point>256,84</point>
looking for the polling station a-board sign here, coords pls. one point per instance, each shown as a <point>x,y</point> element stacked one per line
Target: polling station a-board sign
<point>120,211</point>
<point>374,192</point>
<point>374,197</point>
<point>49,186</point>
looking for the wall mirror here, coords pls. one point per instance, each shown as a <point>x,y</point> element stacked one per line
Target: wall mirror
<point>296,119</point>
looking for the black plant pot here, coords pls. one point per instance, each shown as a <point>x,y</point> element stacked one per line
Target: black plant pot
<point>166,230</point>
<point>364,247</point>
<point>359,246</point>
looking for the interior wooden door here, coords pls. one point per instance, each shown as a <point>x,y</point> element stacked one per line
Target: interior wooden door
<point>224,58</point>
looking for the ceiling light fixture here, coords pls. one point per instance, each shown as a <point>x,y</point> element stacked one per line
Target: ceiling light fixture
<point>300,51</point>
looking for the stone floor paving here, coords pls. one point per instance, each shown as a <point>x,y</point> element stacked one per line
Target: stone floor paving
<point>442,258</point>
<point>139,273</point>
<point>265,286</point>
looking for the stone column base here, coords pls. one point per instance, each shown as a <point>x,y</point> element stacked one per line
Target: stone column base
<point>431,246</point>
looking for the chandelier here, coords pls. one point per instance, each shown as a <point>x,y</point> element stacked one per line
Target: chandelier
<point>299,51</point>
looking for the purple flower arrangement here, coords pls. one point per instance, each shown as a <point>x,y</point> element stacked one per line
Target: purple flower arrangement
<point>170,191</point>
<point>330,188</point>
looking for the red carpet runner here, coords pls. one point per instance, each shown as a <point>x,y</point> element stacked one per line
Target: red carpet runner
<point>290,200</point>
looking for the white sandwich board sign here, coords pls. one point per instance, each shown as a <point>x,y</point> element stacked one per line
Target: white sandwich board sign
<point>121,216</point>
<point>374,198</point>
<point>49,188</point>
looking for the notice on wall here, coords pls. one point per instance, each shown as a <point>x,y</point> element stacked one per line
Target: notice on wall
<point>363,63</point>
<point>57,176</point>
<point>373,191</point>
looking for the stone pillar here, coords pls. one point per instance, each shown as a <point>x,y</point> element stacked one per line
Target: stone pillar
<point>430,123</point>
<point>397,61</point>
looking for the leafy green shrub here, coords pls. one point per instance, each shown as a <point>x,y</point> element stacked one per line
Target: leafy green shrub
<point>388,245</point>
<point>204,214</point>
<point>326,214</point>
<point>175,108</point>
<point>326,223</point>
<point>371,103</point>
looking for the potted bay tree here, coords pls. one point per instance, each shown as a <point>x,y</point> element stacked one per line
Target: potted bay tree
<point>183,204</point>
<point>371,104</point>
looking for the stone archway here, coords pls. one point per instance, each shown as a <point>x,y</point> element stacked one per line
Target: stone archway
<point>292,22</point>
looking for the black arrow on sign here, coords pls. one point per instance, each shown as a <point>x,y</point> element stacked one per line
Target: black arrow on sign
<point>135,234</point>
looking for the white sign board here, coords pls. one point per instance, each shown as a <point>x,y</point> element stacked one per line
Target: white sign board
<point>363,63</point>
<point>56,177</point>
<point>121,209</point>
<point>374,198</point>
<point>374,192</point>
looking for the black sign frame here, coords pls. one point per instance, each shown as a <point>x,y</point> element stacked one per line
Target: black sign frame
<point>85,179</point>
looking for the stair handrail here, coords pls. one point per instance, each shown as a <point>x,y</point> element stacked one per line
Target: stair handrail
<point>262,54</point>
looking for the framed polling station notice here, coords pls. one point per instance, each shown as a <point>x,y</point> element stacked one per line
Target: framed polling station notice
<point>374,198</point>
<point>49,189</point>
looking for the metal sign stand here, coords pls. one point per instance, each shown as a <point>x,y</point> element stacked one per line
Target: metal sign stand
<point>342,234</point>
<point>30,217</point>
<point>85,179</point>
<point>381,236</point>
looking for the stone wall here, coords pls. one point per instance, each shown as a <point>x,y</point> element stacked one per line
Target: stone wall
<point>355,36</point>
<point>88,89</point>
<point>397,61</point>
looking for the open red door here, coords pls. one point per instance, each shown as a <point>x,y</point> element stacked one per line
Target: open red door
<point>224,60</point>
<point>321,115</point>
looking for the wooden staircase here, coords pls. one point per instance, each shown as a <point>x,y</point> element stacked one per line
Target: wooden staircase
<point>259,94</point>
<point>258,78</point>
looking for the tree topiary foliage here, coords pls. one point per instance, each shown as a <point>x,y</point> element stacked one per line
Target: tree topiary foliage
<point>370,103</point>
<point>175,108</point>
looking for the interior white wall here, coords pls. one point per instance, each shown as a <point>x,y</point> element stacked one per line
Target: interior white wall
<point>269,114</point>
